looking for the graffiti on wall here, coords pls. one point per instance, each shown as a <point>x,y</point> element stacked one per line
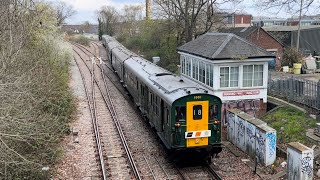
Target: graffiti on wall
<point>240,132</point>
<point>249,106</point>
<point>306,165</point>
<point>231,119</point>
<point>293,169</point>
<point>272,142</point>
<point>260,146</point>
<point>250,133</point>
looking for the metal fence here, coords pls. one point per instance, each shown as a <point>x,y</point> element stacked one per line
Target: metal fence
<point>292,89</point>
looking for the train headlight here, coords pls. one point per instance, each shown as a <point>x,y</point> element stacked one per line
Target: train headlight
<point>177,124</point>
<point>216,122</point>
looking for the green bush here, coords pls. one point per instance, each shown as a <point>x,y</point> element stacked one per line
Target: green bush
<point>152,41</point>
<point>291,56</point>
<point>80,40</point>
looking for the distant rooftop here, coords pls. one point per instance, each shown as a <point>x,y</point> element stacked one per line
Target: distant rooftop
<point>239,31</point>
<point>245,32</point>
<point>219,46</point>
<point>289,28</point>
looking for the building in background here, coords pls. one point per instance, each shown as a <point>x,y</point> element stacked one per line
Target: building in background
<point>261,38</point>
<point>236,20</point>
<point>309,37</point>
<point>293,21</point>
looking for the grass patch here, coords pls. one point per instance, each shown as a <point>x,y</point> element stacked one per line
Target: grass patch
<point>291,124</point>
<point>80,40</point>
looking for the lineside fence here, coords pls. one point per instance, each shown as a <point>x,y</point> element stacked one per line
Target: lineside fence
<point>297,90</point>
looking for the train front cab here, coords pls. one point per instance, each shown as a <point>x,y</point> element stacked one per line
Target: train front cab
<point>197,124</point>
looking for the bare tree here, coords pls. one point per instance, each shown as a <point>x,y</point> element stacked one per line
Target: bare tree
<point>109,18</point>
<point>193,17</point>
<point>290,6</point>
<point>131,19</point>
<point>86,26</point>
<point>63,12</point>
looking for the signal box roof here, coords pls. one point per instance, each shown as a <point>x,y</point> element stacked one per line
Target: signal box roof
<point>222,46</point>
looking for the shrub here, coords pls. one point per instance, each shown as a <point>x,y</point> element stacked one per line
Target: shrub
<point>80,40</point>
<point>291,56</point>
<point>36,103</point>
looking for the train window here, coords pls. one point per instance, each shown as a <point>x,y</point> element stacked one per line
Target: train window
<point>137,83</point>
<point>157,105</point>
<point>168,116</point>
<point>154,104</point>
<point>197,112</point>
<point>213,112</point>
<point>141,88</point>
<point>151,99</point>
<point>180,113</point>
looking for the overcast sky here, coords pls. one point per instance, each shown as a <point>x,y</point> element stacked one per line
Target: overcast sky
<point>86,8</point>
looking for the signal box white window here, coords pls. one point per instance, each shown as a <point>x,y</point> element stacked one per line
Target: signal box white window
<point>183,64</point>
<point>195,69</point>
<point>209,75</point>
<point>198,70</point>
<point>252,75</point>
<point>229,77</point>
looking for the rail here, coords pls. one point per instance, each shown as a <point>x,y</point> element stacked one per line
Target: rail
<point>94,123</point>
<point>107,99</point>
<point>213,172</point>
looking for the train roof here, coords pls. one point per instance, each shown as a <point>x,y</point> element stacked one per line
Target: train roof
<point>107,38</point>
<point>122,53</point>
<point>168,86</point>
<point>113,44</point>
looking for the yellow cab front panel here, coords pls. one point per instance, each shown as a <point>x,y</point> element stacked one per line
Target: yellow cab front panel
<point>197,124</point>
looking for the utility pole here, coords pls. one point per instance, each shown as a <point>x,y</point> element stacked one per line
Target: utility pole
<point>299,25</point>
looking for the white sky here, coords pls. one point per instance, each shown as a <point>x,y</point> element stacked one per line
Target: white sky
<point>86,8</point>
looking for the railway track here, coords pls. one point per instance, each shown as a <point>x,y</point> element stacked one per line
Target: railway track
<point>107,70</point>
<point>213,172</point>
<point>198,172</point>
<point>95,85</point>
<point>91,104</point>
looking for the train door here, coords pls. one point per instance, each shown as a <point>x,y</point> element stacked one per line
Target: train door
<point>110,57</point>
<point>167,121</point>
<point>162,115</point>
<point>123,72</point>
<point>137,94</point>
<point>141,100</point>
<point>197,123</point>
<point>146,99</point>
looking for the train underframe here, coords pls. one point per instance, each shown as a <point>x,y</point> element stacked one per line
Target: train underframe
<point>194,154</point>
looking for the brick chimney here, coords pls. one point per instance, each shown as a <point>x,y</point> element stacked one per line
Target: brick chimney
<point>148,9</point>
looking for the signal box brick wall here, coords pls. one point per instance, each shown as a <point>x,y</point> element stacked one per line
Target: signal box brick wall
<point>266,41</point>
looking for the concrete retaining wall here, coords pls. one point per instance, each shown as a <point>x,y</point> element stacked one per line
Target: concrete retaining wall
<point>300,161</point>
<point>252,136</point>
